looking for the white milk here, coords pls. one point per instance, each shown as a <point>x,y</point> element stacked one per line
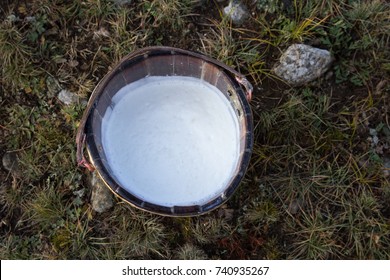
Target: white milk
<point>171,140</point>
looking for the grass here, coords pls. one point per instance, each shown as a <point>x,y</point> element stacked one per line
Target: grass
<point>317,187</point>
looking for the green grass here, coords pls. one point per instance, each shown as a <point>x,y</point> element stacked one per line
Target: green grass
<point>316,187</point>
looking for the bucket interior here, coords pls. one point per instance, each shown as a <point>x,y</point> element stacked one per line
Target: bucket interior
<point>168,63</point>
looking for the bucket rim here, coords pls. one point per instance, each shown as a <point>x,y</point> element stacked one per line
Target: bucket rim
<point>85,136</point>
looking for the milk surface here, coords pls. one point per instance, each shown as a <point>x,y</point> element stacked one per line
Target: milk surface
<point>171,140</point>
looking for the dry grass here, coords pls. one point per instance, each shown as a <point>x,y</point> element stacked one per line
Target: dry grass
<point>317,187</point>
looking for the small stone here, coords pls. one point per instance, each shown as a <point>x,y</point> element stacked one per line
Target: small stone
<point>53,86</point>
<point>373,132</point>
<point>301,64</point>
<point>73,63</point>
<point>12,18</point>
<point>102,32</point>
<point>295,205</point>
<point>11,163</point>
<point>236,11</point>
<point>30,19</point>
<point>67,97</point>
<point>101,198</point>
<point>375,140</point>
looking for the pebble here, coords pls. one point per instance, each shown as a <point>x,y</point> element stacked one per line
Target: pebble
<point>295,206</point>
<point>301,64</point>
<point>373,132</point>
<point>53,86</point>
<point>236,11</point>
<point>13,18</point>
<point>67,97</point>
<point>101,198</point>
<point>11,163</point>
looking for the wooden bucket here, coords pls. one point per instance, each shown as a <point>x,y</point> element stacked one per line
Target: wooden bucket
<point>165,61</point>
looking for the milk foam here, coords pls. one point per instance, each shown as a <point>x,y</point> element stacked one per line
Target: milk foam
<point>171,140</point>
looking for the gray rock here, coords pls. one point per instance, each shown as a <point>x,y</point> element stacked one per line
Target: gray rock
<point>13,18</point>
<point>30,19</point>
<point>53,86</point>
<point>375,140</point>
<point>101,198</point>
<point>373,132</point>
<point>295,206</point>
<point>67,97</point>
<point>11,163</point>
<point>301,64</point>
<point>236,11</point>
